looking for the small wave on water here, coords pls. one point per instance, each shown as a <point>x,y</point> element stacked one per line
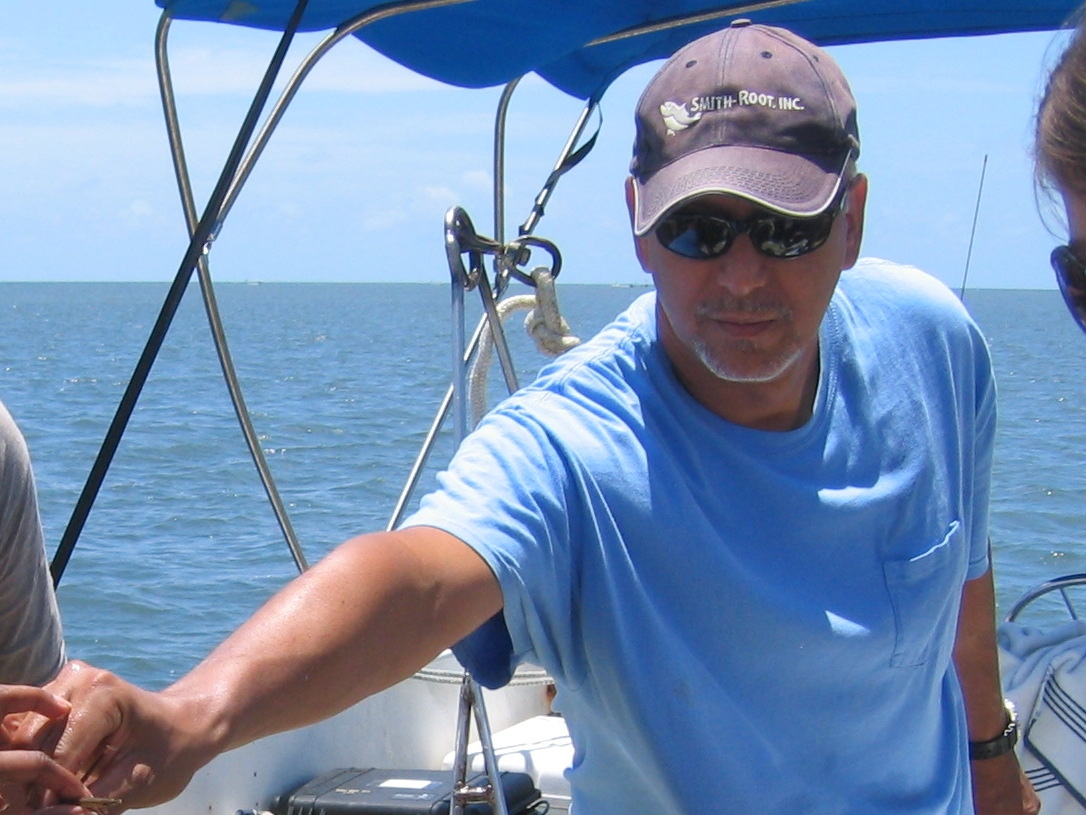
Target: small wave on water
<point>343,381</point>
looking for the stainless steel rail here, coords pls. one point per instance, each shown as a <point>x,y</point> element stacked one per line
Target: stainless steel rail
<point>242,174</point>
<point>1059,585</point>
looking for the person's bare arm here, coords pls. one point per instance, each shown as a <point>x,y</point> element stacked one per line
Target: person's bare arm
<point>370,614</point>
<point>999,785</point>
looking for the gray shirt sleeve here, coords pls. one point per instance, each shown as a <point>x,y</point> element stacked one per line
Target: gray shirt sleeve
<point>31,637</point>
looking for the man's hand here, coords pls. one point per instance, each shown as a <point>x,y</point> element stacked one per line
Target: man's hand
<point>322,641</point>
<point>26,775</point>
<point>124,742</point>
<point>1000,787</point>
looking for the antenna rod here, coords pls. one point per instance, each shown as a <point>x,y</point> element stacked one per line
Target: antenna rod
<point>973,231</point>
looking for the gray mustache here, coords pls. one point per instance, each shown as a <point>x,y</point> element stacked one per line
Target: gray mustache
<point>731,307</point>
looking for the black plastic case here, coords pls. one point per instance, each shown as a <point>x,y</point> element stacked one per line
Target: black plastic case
<point>398,792</point>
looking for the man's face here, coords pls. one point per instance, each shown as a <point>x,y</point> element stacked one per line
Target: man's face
<point>744,318</point>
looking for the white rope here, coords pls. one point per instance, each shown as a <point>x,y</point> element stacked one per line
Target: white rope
<point>544,324</point>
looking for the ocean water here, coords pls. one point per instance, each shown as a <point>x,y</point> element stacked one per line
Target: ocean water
<point>342,381</point>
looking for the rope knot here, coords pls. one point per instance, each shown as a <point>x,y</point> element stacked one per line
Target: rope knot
<point>544,324</point>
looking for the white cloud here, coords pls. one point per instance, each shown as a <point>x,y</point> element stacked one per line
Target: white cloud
<point>140,209</point>
<point>383,219</point>
<point>200,70</point>
<point>94,84</point>
<point>440,195</point>
<point>478,179</point>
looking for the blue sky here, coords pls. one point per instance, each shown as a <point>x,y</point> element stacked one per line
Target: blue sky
<point>356,181</point>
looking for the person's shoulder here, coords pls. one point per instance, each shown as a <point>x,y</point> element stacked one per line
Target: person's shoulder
<point>599,374</point>
<point>637,321</point>
<point>12,443</point>
<point>882,285</point>
<point>900,307</point>
<point>622,340</point>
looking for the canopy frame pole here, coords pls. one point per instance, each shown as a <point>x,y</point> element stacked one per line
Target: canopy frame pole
<point>197,245</point>
<point>508,255</point>
<point>346,29</point>
<point>236,170</point>
<point>207,289</point>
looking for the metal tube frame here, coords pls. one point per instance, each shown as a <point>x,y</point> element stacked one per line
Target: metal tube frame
<point>242,174</point>
<point>488,293</point>
<point>207,289</point>
<point>1059,585</point>
<point>471,701</point>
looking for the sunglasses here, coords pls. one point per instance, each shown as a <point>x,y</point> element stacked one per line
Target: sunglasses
<point>1071,275</point>
<point>701,235</point>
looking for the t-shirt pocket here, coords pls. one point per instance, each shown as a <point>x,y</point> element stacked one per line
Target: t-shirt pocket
<point>924,594</point>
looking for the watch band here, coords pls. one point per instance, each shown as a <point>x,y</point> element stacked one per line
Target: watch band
<point>1003,743</point>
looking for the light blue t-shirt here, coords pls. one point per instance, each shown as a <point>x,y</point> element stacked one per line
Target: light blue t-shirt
<point>740,620</point>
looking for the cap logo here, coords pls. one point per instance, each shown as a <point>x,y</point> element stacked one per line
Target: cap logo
<point>676,117</point>
<point>701,104</point>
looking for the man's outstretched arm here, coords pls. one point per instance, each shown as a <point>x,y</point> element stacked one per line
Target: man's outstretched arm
<point>371,613</point>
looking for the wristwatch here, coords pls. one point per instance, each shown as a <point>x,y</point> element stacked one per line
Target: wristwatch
<point>1003,743</point>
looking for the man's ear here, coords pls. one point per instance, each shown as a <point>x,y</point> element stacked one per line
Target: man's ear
<point>854,219</point>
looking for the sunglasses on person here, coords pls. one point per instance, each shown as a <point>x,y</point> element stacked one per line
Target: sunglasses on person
<point>1071,275</point>
<point>702,235</point>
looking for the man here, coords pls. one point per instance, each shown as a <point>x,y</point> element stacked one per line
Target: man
<point>744,528</point>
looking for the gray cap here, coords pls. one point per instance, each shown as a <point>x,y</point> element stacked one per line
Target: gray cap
<point>750,110</point>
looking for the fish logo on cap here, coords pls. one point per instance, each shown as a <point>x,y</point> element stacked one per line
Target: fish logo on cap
<point>676,117</point>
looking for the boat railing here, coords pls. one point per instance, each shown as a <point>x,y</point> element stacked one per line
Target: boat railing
<point>203,231</point>
<point>1060,589</point>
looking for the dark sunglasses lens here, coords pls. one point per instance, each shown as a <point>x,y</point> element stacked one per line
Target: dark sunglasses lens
<point>790,237</point>
<point>701,236</point>
<point>695,235</point>
<point>1071,275</point>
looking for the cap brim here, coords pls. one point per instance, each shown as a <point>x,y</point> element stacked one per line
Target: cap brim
<point>801,186</point>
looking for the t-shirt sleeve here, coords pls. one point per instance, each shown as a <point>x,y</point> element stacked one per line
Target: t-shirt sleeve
<point>31,638</point>
<point>505,495</point>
